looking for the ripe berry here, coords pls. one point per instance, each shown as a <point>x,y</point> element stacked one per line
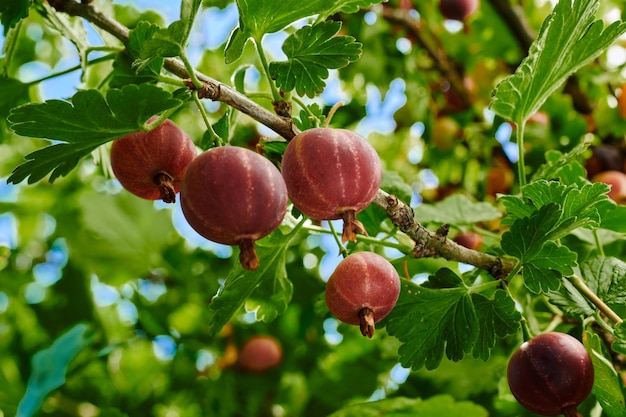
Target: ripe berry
<point>362,290</point>
<point>151,164</point>
<point>332,174</point>
<point>469,239</point>
<point>551,374</point>
<point>260,353</point>
<point>457,9</point>
<point>233,196</point>
<point>617,181</point>
<point>604,158</point>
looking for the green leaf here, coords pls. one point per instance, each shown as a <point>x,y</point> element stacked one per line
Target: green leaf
<point>612,216</point>
<point>131,244</point>
<point>456,209</point>
<point>607,387</point>
<point>311,52</point>
<point>171,41</point>
<point>168,42</point>
<point>14,93</point>
<point>569,38</point>
<point>570,300</point>
<point>498,318</point>
<point>314,117</point>
<point>83,124</point>
<point>265,290</point>
<point>49,367</point>
<point>580,204</point>
<point>566,167</point>
<point>543,261</point>
<point>606,276</point>
<point>445,315</point>
<point>528,234</point>
<point>619,345</point>
<point>543,272</point>
<point>259,17</point>
<point>124,73</point>
<point>11,12</point>
<point>436,406</point>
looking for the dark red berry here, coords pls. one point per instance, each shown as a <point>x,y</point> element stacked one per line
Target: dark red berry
<point>233,196</point>
<point>469,239</point>
<point>617,181</point>
<point>457,9</point>
<point>332,174</point>
<point>362,290</point>
<point>551,374</point>
<point>604,158</point>
<point>260,353</point>
<point>151,164</point>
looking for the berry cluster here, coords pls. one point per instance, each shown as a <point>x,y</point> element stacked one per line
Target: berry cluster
<point>234,196</point>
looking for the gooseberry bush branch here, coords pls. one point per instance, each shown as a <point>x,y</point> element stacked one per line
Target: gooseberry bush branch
<point>449,313</point>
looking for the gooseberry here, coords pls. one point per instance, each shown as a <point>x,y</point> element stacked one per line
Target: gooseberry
<point>469,239</point>
<point>234,196</point>
<point>551,374</point>
<point>362,290</point>
<point>332,174</point>
<point>617,181</point>
<point>457,9</point>
<point>151,164</point>
<point>260,353</point>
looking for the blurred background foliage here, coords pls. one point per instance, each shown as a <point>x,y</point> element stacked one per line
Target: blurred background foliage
<point>82,250</point>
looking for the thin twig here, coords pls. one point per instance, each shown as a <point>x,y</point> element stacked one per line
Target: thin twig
<point>442,60</point>
<point>221,92</point>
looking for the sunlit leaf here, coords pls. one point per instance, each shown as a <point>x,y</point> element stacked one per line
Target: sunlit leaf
<point>498,318</point>
<point>11,12</point>
<point>447,317</point>
<point>607,386</point>
<point>170,41</point>
<point>260,17</point>
<point>266,289</point>
<point>311,52</point>
<point>569,38</point>
<point>49,369</point>
<point>82,124</point>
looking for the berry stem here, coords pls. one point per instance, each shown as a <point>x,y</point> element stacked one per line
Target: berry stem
<point>266,70</point>
<point>342,250</point>
<point>165,182</point>
<point>217,139</point>
<point>571,412</point>
<point>366,316</point>
<point>247,255</point>
<point>351,226</point>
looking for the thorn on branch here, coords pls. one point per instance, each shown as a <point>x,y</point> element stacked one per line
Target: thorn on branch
<point>421,251</point>
<point>401,215</point>
<point>282,108</point>
<point>208,90</point>
<point>443,230</point>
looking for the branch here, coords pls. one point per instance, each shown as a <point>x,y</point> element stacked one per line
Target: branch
<point>515,21</point>
<point>427,243</point>
<point>218,91</point>
<point>438,55</point>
